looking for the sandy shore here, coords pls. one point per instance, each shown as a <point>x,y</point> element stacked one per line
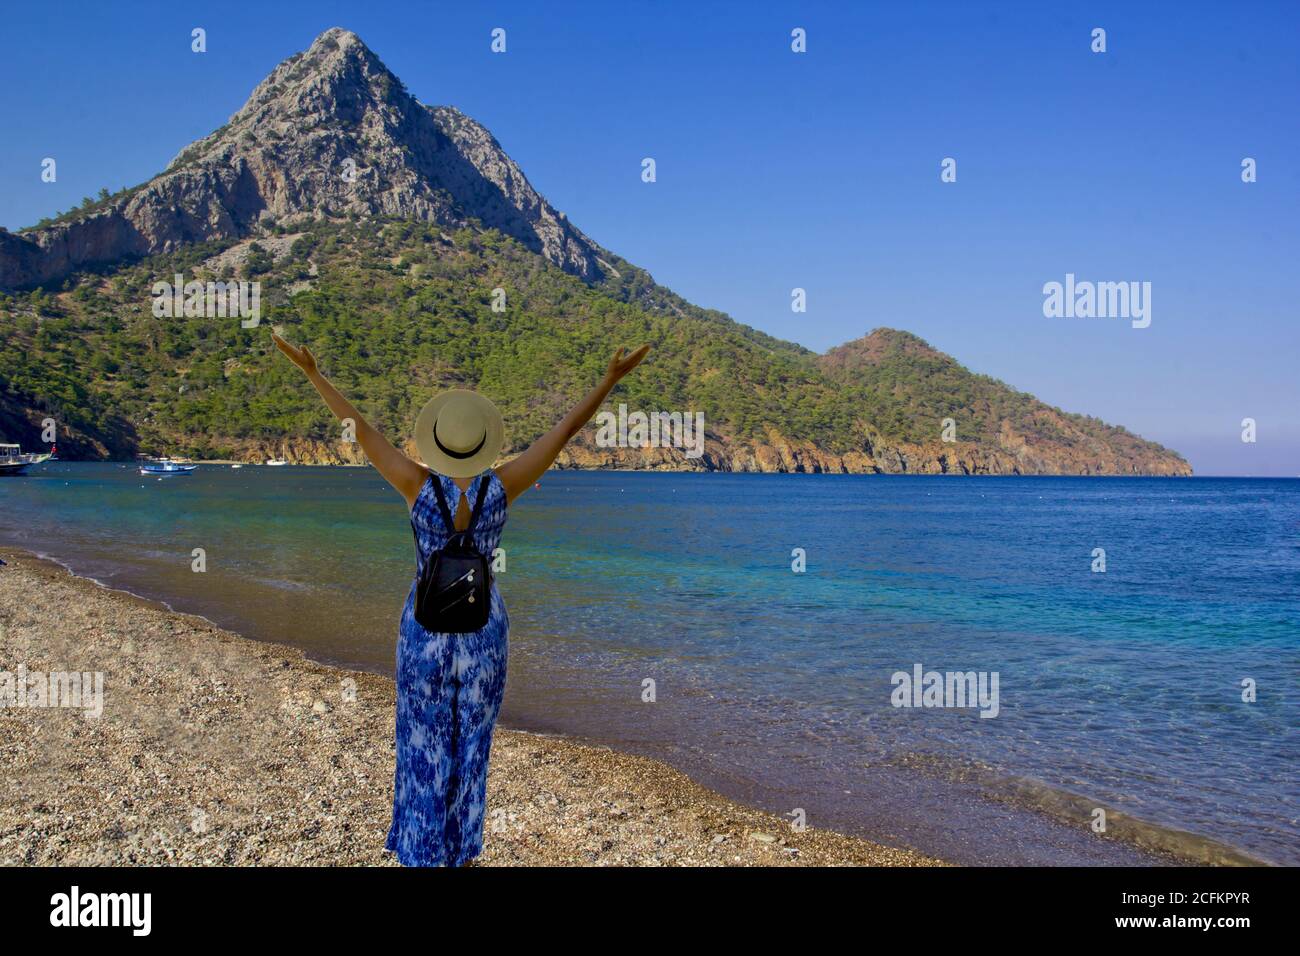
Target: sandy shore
<point>214,749</point>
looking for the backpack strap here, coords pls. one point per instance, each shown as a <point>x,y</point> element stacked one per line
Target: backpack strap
<point>419,561</point>
<point>447,520</point>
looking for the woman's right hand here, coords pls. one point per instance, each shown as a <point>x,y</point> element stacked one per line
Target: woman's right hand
<point>300,357</point>
<point>398,470</point>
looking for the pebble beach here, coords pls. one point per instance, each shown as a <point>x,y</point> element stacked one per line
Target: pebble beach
<point>214,749</point>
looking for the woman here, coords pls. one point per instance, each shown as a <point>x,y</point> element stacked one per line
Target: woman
<point>449,686</point>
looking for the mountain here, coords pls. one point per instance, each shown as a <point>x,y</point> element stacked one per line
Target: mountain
<point>378,229</point>
<point>911,389</point>
<point>329,132</point>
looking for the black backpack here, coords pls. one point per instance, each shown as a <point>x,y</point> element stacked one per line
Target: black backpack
<point>454,593</point>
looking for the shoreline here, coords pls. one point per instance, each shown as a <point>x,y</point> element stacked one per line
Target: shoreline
<point>217,749</point>
<point>243,463</point>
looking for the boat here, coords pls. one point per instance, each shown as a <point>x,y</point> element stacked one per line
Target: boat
<point>14,462</point>
<point>276,461</point>
<point>165,467</point>
<point>236,465</point>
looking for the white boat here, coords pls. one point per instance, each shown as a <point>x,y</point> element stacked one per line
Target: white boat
<point>236,465</point>
<point>165,467</point>
<point>276,462</point>
<point>14,462</point>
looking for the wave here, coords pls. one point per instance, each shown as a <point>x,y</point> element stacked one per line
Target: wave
<point>1078,811</point>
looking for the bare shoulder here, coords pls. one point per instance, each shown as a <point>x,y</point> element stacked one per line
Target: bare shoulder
<point>413,494</point>
<point>512,478</point>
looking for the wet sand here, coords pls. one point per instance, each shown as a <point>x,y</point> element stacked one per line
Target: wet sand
<point>213,749</point>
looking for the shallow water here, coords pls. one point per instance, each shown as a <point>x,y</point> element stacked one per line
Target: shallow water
<point>1118,690</point>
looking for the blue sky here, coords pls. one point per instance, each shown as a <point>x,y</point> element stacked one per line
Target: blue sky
<point>819,170</point>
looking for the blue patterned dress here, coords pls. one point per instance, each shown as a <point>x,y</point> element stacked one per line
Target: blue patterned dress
<point>449,689</point>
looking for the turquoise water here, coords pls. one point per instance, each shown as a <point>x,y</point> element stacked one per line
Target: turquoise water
<point>1118,690</point>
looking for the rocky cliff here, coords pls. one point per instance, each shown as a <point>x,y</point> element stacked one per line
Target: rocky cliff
<point>780,454</point>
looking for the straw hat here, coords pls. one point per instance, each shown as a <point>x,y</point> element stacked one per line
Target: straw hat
<point>459,433</point>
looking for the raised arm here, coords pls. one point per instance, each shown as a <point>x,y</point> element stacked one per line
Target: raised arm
<point>518,474</point>
<point>399,471</point>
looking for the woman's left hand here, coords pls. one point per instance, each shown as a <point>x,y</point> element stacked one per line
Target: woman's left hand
<point>621,364</point>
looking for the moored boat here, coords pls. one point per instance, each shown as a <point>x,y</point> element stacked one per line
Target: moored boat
<point>165,467</point>
<point>14,462</point>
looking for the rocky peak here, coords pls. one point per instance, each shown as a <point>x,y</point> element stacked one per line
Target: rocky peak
<point>338,65</point>
<point>336,85</point>
<point>330,132</point>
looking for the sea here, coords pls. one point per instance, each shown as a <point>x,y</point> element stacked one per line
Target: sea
<point>801,642</point>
